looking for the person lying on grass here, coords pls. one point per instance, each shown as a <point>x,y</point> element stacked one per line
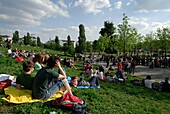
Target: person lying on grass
<point>93,81</point>
<point>25,79</point>
<point>47,81</point>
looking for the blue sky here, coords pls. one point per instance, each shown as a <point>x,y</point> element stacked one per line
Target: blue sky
<point>50,18</point>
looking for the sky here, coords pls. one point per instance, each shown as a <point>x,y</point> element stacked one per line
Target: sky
<point>50,18</point>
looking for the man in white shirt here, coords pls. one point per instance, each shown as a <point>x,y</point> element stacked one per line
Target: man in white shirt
<point>148,82</point>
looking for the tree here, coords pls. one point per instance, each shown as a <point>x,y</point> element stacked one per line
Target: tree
<point>57,40</point>
<point>89,47</point>
<point>33,43</point>
<point>38,41</point>
<point>164,39</point>
<point>0,38</point>
<point>110,49</point>
<point>50,44</point>
<point>70,47</point>
<point>108,29</point>
<point>65,48</point>
<point>148,42</point>
<point>25,40</point>
<point>81,39</point>
<point>127,35</point>
<point>95,45</point>
<point>58,46</point>
<point>15,37</point>
<point>28,38</point>
<point>103,42</point>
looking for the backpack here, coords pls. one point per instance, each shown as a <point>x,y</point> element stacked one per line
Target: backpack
<point>157,86</point>
<point>72,102</point>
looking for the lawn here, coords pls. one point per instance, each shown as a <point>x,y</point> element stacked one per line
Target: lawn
<point>123,98</point>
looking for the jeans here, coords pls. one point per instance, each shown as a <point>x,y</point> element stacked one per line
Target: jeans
<point>54,87</point>
<point>94,80</point>
<point>119,74</point>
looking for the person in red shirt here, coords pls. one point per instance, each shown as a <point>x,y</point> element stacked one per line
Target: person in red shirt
<point>133,66</point>
<point>119,73</point>
<point>20,58</point>
<point>119,65</point>
<point>87,67</point>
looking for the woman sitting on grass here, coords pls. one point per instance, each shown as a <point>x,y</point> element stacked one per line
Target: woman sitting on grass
<point>89,72</point>
<point>38,62</point>
<point>109,78</point>
<point>25,79</point>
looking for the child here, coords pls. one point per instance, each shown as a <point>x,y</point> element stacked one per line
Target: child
<point>74,81</point>
<point>25,79</point>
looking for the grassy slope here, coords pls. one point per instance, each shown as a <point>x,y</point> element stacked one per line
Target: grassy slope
<point>110,98</point>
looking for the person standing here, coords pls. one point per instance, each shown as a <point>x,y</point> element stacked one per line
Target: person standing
<point>133,66</point>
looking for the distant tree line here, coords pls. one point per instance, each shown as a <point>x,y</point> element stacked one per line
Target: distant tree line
<point>113,39</point>
<point>27,40</point>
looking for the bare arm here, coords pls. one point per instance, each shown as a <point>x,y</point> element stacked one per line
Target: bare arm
<point>62,74</point>
<point>18,86</point>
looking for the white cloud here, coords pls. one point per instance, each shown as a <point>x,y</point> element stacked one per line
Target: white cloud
<point>118,4</point>
<point>151,5</point>
<point>155,25</point>
<point>62,4</point>
<point>140,23</point>
<point>92,6</point>
<point>29,12</point>
<point>144,26</point>
<point>129,2</point>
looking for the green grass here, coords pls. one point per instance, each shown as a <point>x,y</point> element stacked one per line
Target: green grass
<point>111,98</point>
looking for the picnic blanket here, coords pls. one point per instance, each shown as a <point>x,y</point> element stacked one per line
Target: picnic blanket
<point>25,96</point>
<point>87,87</point>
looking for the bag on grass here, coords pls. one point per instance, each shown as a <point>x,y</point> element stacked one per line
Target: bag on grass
<point>4,84</point>
<point>72,102</point>
<point>157,86</point>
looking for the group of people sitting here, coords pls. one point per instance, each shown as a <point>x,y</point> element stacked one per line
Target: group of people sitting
<point>45,81</point>
<point>21,55</point>
<point>69,63</point>
<point>148,82</point>
<point>160,86</point>
<point>98,74</point>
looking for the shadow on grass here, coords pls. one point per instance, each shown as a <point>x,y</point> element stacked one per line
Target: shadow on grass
<point>140,91</point>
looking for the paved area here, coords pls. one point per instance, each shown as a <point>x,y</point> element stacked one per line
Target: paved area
<point>157,74</point>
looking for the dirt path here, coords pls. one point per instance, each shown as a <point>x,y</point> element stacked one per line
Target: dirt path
<point>155,73</point>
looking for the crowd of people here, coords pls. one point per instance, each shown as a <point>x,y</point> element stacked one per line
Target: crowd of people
<point>39,73</point>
